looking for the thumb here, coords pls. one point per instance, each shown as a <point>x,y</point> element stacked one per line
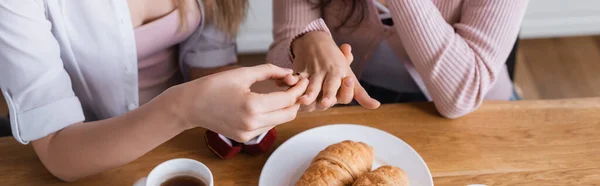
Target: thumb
<point>347,51</point>
<point>264,72</point>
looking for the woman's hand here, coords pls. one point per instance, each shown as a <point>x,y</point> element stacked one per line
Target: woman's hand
<point>329,72</point>
<point>223,102</point>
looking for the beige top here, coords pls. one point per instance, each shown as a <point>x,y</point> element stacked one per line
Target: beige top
<point>158,67</point>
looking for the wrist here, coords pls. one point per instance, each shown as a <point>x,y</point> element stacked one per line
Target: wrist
<point>310,39</point>
<point>172,106</point>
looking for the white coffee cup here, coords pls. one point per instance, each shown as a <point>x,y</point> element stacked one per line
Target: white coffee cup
<point>174,168</point>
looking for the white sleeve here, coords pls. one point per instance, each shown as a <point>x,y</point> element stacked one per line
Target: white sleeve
<point>35,85</point>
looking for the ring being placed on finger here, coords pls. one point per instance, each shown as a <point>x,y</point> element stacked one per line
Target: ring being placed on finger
<point>305,75</point>
<point>301,75</point>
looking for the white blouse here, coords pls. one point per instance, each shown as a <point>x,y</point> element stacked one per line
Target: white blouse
<point>64,62</point>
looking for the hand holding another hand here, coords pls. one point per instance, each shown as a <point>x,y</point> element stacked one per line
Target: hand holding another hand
<point>224,103</point>
<point>328,69</point>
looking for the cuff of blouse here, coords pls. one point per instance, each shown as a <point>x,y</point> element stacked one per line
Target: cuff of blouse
<point>36,123</point>
<point>316,25</point>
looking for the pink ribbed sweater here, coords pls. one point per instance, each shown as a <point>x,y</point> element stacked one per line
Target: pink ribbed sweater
<point>455,49</point>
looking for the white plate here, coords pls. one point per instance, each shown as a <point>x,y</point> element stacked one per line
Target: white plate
<point>292,158</point>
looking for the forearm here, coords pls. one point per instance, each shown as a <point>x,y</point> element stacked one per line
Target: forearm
<point>444,60</point>
<point>85,149</point>
<point>458,62</point>
<point>423,30</point>
<point>433,43</point>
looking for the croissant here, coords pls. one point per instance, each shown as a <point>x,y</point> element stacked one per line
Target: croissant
<point>383,176</point>
<point>339,164</point>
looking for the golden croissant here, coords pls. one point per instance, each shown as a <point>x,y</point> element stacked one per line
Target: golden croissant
<point>339,164</point>
<point>383,176</point>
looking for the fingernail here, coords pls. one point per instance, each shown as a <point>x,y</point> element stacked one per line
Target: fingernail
<point>349,82</point>
<point>289,70</point>
<point>325,100</point>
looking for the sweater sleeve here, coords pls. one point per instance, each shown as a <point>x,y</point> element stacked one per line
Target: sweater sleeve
<point>459,63</point>
<point>291,19</point>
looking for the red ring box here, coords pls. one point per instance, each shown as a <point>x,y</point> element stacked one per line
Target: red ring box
<point>220,147</point>
<point>226,148</point>
<point>263,145</point>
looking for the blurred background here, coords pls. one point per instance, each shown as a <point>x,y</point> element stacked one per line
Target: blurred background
<point>558,55</point>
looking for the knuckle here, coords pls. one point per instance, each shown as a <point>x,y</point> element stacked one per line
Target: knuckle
<point>249,107</point>
<point>310,108</point>
<point>338,72</point>
<point>291,116</point>
<point>292,101</point>
<point>250,123</point>
<point>238,137</point>
<point>324,107</point>
<point>245,138</point>
<point>335,68</point>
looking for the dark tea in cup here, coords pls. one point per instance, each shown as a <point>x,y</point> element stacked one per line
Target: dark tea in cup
<point>184,181</point>
<point>178,172</point>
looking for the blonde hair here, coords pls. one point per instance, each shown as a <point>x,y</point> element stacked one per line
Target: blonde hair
<point>226,15</point>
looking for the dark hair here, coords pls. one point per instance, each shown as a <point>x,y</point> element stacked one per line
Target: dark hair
<point>358,10</point>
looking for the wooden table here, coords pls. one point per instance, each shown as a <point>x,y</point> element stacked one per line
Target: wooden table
<point>503,143</point>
